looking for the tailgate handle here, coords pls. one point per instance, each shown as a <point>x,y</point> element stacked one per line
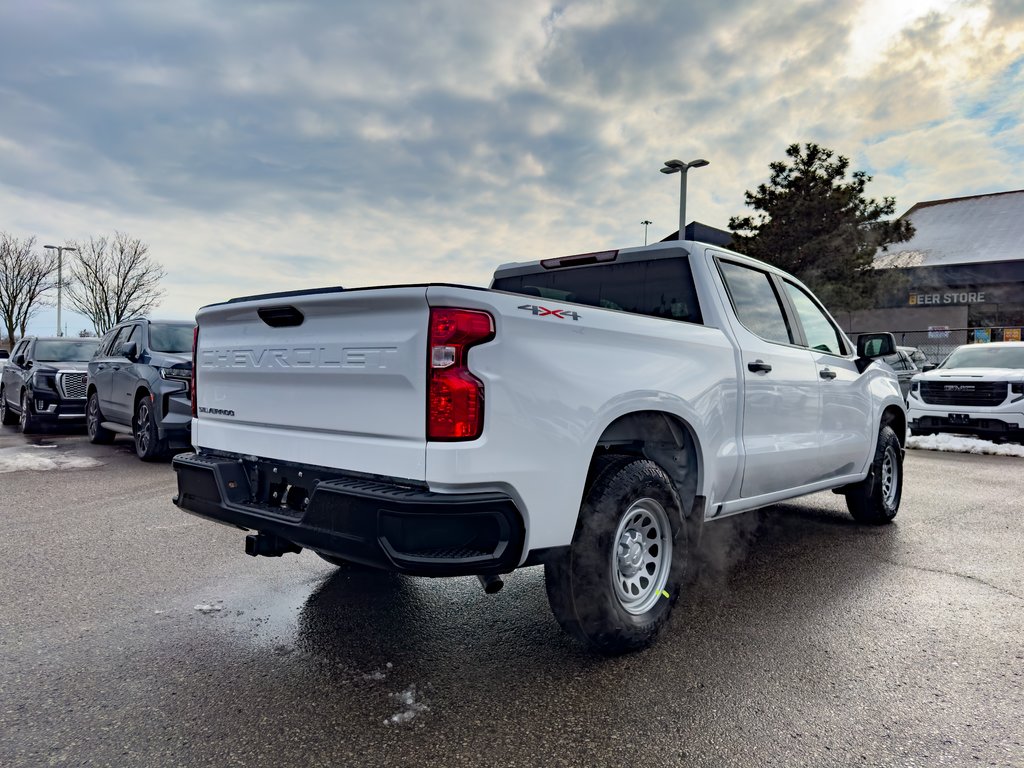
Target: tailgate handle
<point>280,317</point>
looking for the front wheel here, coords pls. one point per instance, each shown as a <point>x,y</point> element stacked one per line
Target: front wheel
<point>616,586</point>
<point>148,445</point>
<point>876,499</point>
<point>28,423</point>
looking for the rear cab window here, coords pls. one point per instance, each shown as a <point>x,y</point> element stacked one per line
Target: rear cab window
<point>658,287</point>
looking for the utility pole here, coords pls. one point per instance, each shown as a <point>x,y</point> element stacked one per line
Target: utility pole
<point>60,277</point>
<point>646,223</point>
<point>678,166</point>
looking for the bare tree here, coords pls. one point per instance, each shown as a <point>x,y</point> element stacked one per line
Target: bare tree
<point>25,276</point>
<point>112,279</point>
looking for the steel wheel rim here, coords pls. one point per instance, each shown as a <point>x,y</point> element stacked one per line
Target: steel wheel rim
<point>142,427</point>
<point>889,472</point>
<point>641,556</point>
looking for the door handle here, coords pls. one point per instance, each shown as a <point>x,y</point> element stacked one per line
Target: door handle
<point>825,373</point>
<point>759,366</point>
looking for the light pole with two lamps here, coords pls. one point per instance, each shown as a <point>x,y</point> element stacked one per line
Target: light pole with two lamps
<point>678,166</point>
<point>60,276</point>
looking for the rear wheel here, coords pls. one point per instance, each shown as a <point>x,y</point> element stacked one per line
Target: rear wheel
<point>148,445</point>
<point>616,586</point>
<point>7,416</point>
<point>27,422</point>
<point>94,420</point>
<point>876,499</point>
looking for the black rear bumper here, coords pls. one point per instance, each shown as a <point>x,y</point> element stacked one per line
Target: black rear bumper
<point>376,522</point>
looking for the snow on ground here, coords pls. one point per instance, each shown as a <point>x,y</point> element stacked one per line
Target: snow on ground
<point>39,460</point>
<point>412,704</point>
<point>964,444</point>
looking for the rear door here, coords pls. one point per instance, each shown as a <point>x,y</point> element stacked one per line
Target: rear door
<point>781,400</point>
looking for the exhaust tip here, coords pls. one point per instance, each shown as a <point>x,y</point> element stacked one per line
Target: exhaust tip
<point>491,584</point>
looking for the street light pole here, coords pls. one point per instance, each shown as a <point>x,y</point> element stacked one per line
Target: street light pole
<point>60,277</point>
<point>678,166</point>
<point>646,223</point>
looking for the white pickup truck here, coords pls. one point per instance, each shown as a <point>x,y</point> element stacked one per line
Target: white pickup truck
<point>588,413</point>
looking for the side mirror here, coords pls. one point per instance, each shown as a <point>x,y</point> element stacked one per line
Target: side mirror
<point>928,367</point>
<point>130,350</point>
<point>871,345</point>
<point>19,361</point>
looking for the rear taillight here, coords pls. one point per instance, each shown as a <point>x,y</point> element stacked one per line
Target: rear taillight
<point>455,397</point>
<point>195,349</point>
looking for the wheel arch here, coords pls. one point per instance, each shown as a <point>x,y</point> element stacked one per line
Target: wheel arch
<point>141,391</point>
<point>667,440</point>
<point>896,418</point>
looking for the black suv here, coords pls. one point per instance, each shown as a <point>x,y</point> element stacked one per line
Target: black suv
<point>44,382</point>
<point>139,386</point>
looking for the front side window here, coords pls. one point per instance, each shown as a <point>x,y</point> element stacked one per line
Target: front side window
<point>118,340</point>
<point>756,304</point>
<point>821,334</point>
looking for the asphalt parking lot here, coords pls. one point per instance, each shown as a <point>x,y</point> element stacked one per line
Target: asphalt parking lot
<point>132,634</point>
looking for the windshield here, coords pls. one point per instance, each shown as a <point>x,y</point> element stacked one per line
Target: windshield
<point>984,356</point>
<point>61,351</point>
<point>164,337</point>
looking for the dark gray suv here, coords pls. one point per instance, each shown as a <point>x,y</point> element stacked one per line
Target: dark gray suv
<point>139,385</point>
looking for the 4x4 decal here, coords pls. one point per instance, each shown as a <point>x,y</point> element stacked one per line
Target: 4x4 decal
<point>561,314</point>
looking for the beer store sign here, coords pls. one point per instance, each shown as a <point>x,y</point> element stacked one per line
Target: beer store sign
<point>954,297</point>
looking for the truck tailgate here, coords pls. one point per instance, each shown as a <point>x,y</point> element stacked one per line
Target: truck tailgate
<point>332,379</point>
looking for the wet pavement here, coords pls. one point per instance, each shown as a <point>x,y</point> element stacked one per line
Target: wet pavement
<point>132,634</point>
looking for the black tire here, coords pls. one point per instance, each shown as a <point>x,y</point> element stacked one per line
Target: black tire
<point>591,587</point>
<point>148,445</point>
<point>93,419</point>
<point>7,416</point>
<point>875,500</point>
<point>28,424</point>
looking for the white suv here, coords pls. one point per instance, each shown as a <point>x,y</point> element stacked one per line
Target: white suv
<point>978,389</point>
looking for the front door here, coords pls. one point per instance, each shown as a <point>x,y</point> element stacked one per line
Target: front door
<point>846,425</point>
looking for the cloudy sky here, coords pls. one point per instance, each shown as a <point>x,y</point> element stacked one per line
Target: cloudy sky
<point>262,146</point>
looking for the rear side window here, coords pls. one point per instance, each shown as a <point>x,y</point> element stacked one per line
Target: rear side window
<point>756,304</point>
<point>659,288</point>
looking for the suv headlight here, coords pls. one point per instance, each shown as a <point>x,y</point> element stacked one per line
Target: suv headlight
<point>43,380</point>
<point>176,374</point>
<point>1017,388</point>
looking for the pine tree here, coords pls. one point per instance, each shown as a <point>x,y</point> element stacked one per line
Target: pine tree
<point>817,225</point>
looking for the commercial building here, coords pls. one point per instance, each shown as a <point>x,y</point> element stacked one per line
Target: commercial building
<point>962,272</point>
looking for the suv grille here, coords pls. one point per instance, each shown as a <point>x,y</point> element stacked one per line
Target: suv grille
<point>966,393</point>
<point>71,385</point>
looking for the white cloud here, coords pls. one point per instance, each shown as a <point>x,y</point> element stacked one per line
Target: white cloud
<point>263,146</point>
